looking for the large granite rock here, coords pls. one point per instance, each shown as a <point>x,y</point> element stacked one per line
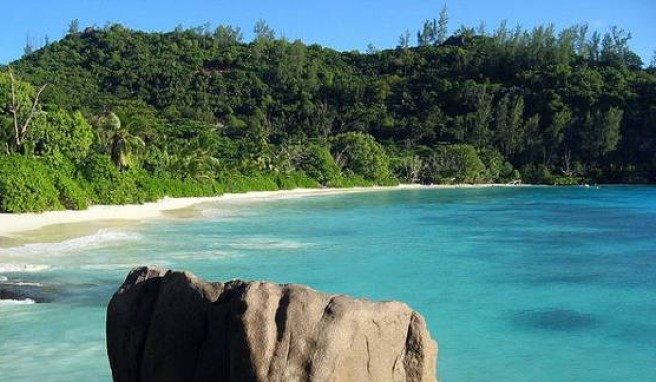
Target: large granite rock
<point>171,326</point>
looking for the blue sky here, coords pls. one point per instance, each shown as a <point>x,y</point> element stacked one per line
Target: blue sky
<point>340,24</point>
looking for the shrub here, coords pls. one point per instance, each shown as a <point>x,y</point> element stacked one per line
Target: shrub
<point>61,132</point>
<point>107,185</point>
<point>536,174</point>
<point>350,182</point>
<point>453,164</point>
<point>71,195</point>
<point>360,154</point>
<point>567,180</point>
<point>406,168</point>
<point>155,188</point>
<point>26,186</point>
<point>317,162</point>
<point>497,169</point>
<point>257,182</point>
<point>295,180</point>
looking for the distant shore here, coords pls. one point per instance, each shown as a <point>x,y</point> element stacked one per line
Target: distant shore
<point>13,225</point>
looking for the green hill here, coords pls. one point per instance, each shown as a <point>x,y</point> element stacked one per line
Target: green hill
<point>128,116</point>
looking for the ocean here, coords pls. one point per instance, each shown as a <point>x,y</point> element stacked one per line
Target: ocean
<point>515,283</point>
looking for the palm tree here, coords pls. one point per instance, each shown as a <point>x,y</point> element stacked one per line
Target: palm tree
<point>197,164</point>
<point>124,148</point>
<point>203,166</point>
<point>118,141</point>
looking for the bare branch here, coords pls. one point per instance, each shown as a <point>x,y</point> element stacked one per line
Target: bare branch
<point>340,158</point>
<point>26,124</point>
<point>20,128</point>
<point>14,107</point>
<point>567,169</point>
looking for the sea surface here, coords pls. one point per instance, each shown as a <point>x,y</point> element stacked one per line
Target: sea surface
<point>516,284</point>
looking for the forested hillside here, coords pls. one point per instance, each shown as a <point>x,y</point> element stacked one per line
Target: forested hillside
<point>112,115</point>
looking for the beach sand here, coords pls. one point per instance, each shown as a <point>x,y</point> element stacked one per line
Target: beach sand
<point>18,229</point>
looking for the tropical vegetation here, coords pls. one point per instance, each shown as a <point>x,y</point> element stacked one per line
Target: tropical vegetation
<point>112,115</point>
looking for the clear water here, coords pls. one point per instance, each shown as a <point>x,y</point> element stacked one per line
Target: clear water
<point>517,284</point>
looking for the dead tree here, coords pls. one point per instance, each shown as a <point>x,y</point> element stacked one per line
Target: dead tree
<point>567,165</point>
<point>21,127</point>
<point>341,158</point>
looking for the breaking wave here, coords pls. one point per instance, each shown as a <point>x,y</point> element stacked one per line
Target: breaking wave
<point>21,283</point>
<point>224,213</point>
<point>100,238</point>
<point>263,244</point>
<point>14,268</point>
<point>27,301</point>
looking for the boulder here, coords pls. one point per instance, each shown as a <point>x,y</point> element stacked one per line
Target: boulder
<point>6,294</point>
<point>17,293</point>
<point>171,326</point>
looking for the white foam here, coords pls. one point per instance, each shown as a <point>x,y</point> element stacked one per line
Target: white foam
<point>3,278</point>
<point>14,268</point>
<point>223,213</point>
<point>22,283</point>
<point>26,301</point>
<point>102,237</point>
<point>106,267</point>
<point>263,243</point>
<point>204,255</point>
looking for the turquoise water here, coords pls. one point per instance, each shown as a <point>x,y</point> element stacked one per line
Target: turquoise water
<point>517,284</point>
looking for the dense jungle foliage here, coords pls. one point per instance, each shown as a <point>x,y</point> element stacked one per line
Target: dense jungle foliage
<point>112,115</point>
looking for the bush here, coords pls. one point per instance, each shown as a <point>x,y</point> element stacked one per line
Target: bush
<point>388,182</point>
<point>26,186</point>
<point>567,180</point>
<point>406,168</point>
<point>155,188</point>
<point>61,132</point>
<point>317,162</point>
<point>350,182</point>
<point>536,174</point>
<point>295,180</point>
<point>71,195</point>
<point>453,164</point>
<point>258,182</point>
<point>497,169</point>
<point>107,185</point>
<point>360,154</point>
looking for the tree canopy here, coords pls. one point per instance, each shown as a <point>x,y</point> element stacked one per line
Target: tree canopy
<point>198,111</point>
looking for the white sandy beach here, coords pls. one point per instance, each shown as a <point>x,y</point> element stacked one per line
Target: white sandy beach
<point>12,224</point>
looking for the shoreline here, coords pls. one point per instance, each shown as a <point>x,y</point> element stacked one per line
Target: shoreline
<point>14,227</point>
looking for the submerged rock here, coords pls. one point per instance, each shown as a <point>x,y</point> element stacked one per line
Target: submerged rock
<point>11,295</point>
<point>22,294</point>
<point>171,326</point>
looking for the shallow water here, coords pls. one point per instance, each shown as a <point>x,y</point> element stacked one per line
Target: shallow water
<point>517,284</point>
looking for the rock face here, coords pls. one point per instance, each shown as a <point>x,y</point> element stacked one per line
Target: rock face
<point>171,326</point>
